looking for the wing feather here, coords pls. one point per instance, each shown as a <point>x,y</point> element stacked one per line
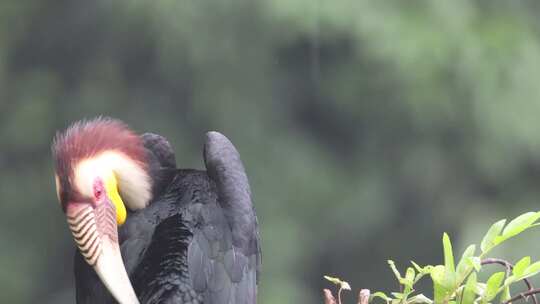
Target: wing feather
<point>226,241</point>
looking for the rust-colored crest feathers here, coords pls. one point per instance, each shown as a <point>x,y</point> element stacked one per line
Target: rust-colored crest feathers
<point>86,139</point>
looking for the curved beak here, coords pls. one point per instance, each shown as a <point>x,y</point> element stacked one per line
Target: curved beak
<point>95,231</point>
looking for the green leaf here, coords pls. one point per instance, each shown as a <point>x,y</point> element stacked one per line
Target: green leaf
<point>464,266</point>
<point>449,268</point>
<point>519,224</point>
<point>394,269</point>
<point>448,255</point>
<point>469,251</point>
<point>419,299</point>
<point>480,288</point>
<point>505,294</point>
<point>417,267</point>
<point>440,291</point>
<point>493,284</point>
<point>397,295</point>
<point>408,282</point>
<point>531,270</point>
<point>488,240</point>
<point>476,263</point>
<point>334,280</point>
<point>380,295</point>
<point>437,274</point>
<point>469,291</point>
<point>409,277</point>
<point>342,284</point>
<point>509,280</point>
<point>521,265</point>
<point>421,271</point>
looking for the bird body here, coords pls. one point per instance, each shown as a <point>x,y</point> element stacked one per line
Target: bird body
<point>196,241</point>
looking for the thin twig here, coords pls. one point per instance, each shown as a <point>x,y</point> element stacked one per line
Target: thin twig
<point>502,262</point>
<point>523,295</point>
<point>509,268</point>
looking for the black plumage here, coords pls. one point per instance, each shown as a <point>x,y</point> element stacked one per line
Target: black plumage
<point>196,242</point>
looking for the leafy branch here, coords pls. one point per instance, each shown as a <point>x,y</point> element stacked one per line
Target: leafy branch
<point>459,284</point>
<point>509,268</point>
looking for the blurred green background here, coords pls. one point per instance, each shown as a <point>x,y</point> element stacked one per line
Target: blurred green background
<point>367,127</point>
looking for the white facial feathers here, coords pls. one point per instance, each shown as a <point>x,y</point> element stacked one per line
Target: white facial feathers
<point>134,182</point>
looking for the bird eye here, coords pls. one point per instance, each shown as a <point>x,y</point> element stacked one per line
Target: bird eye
<point>98,189</point>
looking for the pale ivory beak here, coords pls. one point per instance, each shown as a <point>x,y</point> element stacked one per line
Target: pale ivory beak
<point>96,233</point>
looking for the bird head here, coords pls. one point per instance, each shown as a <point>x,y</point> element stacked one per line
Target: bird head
<point>101,173</point>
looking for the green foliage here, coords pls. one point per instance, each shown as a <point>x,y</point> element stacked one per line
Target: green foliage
<point>488,242</point>
<point>448,283</point>
<point>460,285</point>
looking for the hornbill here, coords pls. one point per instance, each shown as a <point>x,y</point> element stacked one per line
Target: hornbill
<point>148,232</point>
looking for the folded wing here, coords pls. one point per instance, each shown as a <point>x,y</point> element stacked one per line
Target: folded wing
<point>224,256</point>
